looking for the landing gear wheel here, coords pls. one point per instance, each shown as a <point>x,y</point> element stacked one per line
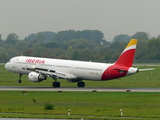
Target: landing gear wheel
<point>56,84</point>
<point>19,81</point>
<point>80,84</point>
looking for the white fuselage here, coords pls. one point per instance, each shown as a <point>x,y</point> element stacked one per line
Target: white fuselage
<point>83,70</point>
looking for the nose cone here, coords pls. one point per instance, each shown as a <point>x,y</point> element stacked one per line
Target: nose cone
<point>10,67</point>
<point>6,66</point>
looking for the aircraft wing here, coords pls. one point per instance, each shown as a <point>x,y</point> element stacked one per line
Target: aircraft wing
<point>53,74</point>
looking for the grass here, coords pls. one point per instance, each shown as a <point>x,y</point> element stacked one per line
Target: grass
<point>143,105</point>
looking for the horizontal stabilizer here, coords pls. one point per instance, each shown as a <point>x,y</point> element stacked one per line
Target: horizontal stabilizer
<point>146,69</point>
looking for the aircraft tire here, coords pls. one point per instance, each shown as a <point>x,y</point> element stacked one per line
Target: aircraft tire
<point>80,84</point>
<point>56,84</point>
<point>83,84</point>
<point>19,81</point>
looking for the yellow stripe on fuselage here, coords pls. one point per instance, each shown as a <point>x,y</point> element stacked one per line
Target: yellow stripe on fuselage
<point>132,42</point>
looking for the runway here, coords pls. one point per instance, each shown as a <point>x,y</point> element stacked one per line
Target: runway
<point>24,88</point>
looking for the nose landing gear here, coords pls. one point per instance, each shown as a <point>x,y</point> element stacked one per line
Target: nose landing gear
<point>19,80</point>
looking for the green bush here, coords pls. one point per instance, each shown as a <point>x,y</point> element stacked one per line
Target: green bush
<point>48,106</point>
<point>34,100</point>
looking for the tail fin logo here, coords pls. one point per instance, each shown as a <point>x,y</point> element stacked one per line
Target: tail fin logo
<point>127,56</point>
<point>131,45</point>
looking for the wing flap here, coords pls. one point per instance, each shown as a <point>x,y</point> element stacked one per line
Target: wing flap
<point>65,75</point>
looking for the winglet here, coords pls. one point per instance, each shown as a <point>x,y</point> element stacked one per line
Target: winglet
<point>127,56</point>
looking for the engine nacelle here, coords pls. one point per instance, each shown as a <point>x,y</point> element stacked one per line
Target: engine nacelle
<point>36,77</point>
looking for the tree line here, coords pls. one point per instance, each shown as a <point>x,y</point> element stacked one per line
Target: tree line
<point>79,45</point>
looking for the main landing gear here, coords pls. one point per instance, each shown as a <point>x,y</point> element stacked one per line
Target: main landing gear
<point>19,80</point>
<point>56,84</point>
<point>80,84</point>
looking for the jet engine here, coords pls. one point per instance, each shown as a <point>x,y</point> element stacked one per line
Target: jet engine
<point>36,77</point>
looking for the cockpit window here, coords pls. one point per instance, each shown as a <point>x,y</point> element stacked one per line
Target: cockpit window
<point>9,61</point>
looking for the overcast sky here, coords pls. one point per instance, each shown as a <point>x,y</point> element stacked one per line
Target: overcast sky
<point>112,17</point>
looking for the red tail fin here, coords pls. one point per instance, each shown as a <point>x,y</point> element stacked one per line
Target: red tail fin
<point>127,56</point>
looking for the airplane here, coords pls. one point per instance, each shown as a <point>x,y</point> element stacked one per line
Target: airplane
<point>38,69</point>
